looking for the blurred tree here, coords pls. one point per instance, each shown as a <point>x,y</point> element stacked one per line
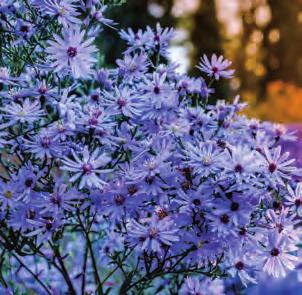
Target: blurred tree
<point>205,32</point>
<point>206,39</point>
<point>282,43</point>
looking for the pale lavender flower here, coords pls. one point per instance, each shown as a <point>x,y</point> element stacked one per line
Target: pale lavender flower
<point>195,286</point>
<point>294,198</point>
<point>216,67</point>
<point>153,235</point>
<point>64,10</point>
<point>87,168</point>
<point>28,111</point>
<point>277,166</point>
<point>71,53</point>
<point>277,257</point>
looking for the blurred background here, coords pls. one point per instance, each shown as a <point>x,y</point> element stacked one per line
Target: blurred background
<point>263,38</point>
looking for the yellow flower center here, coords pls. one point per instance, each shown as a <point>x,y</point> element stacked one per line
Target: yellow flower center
<point>8,194</point>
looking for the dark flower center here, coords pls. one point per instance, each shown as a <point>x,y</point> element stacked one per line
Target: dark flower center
<point>153,233</point>
<point>298,202</point>
<point>196,202</point>
<point>276,205</point>
<point>93,121</point>
<point>239,265</point>
<point>215,70</point>
<point>242,231</point>
<point>149,179</point>
<point>234,206</point>
<point>121,102</point>
<point>29,182</point>
<point>95,97</point>
<point>161,213</point>
<point>156,90</point>
<point>87,168</point>
<point>24,29</point>
<point>45,142</point>
<point>132,189</point>
<point>55,199</point>
<point>156,38</point>
<point>119,200</point>
<point>185,185</point>
<point>72,51</point>
<point>275,252</point>
<point>224,219</point>
<point>238,168</point>
<point>272,167</point>
<point>48,225</point>
<point>30,214</point>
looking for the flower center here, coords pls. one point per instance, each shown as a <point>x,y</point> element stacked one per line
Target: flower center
<point>234,206</point>
<point>239,265</point>
<point>8,194</point>
<point>87,168</point>
<point>119,200</point>
<point>153,233</point>
<point>49,225</point>
<point>275,252</point>
<point>55,199</point>
<point>206,161</point>
<point>224,219</point>
<point>161,213</point>
<point>132,189</point>
<point>215,70</point>
<point>196,202</point>
<point>24,29</point>
<point>45,142</point>
<point>29,182</point>
<point>121,102</point>
<point>272,167</point>
<point>156,90</point>
<point>93,121</point>
<point>238,168</point>
<point>72,51</point>
<point>242,231</point>
<point>298,202</point>
<point>95,97</point>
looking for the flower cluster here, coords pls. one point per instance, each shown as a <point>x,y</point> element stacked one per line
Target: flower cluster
<point>126,179</point>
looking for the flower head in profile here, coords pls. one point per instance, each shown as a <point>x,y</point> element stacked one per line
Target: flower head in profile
<point>294,199</point>
<point>87,168</point>
<point>216,67</point>
<point>71,53</point>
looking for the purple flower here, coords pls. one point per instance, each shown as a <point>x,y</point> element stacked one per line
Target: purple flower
<point>123,101</point>
<point>87,168</point>
<point>277,166</point>
<point>64,10</point>
<point>205,158</point>
<point>26,112</point>
<point>153,235</point>
<point>277,257</point>
<point>216,67</point>
<point>70,53</point>
<point>133,66</point>
<point>294,199</point>
<point>195,286</point>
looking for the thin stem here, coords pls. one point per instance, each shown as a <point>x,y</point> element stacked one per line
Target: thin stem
<point>84,269</point>
<point>35,276</point>
<point>63,269</point>
<point>97,279</point>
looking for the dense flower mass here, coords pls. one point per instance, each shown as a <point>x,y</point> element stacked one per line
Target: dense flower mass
<point>126,180</point>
